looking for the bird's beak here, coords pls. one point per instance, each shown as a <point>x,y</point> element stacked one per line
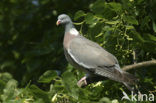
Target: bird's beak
<point>58,22</point>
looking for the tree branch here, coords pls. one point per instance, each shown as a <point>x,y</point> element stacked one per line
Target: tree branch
<point>138,65</point>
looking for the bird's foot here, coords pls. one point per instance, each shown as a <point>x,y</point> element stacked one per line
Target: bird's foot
<point>82,82</point>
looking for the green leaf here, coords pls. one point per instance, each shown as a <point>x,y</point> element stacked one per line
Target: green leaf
<point>5,77</point>
<point>128,27</point>
<point>130,19</point>
<point>154,27</point>
<point>115,6</point>
<point>95,30</point>
<point>48,76</point>
<point>151,37</point>
<point>100,34</point>
<point>144,24</point>
<point>138,36</point>
<point>10,91</point>
<point>104,9</point>
<point>70,82</point>
<point>6,64</point>
<point>2,85</point>
<point>112,22</point>
<point>79,14</point>
<point>98,6</point>
<point>90,19</point>
<point>105,100</point>
<point>39,94</point>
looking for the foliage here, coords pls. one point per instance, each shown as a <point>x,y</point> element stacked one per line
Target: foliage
<point>32,65</point>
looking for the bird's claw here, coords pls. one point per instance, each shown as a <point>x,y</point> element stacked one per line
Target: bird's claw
<point>82,82</point>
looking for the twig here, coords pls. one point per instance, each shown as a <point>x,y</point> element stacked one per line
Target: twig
<point>138,65</point>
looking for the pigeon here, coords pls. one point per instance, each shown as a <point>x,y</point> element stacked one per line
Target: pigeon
<point>90,57</point>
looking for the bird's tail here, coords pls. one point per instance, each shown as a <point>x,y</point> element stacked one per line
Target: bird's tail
<point>129,78</point>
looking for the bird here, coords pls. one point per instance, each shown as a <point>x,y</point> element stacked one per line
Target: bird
<point>90,57</point>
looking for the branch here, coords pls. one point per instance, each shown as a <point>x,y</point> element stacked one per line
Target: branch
<point>138,65</point>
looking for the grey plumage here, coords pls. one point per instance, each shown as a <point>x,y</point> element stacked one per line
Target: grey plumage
<point>93,58</point>
<point>88,56</point>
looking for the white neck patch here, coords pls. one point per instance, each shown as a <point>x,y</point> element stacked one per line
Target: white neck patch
<point>73,31</point>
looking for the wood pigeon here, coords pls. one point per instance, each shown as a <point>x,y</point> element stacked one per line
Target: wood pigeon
<point>89,57</point>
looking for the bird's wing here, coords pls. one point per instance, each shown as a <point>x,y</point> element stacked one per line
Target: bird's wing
<point>91,56</point>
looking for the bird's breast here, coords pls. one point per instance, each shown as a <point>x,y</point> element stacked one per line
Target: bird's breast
<point>67,39</point>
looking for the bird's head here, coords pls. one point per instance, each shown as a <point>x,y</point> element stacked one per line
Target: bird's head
<point>63,19</point>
